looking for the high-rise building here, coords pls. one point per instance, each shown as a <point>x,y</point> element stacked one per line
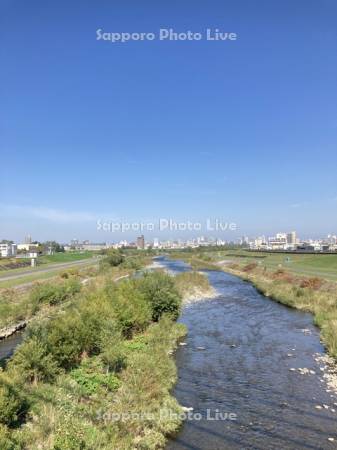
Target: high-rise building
<point>140,242</point>
<point>291,238</point>
<point>28,239</point>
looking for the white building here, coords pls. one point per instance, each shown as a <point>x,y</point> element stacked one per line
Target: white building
<point>27,247</point>
<point>8,250</point>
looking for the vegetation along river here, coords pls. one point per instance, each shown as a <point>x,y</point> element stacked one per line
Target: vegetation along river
<point>239,351</point>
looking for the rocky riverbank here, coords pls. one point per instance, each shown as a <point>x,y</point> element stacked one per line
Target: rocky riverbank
<point>10,330</point>
<point>196,294</point>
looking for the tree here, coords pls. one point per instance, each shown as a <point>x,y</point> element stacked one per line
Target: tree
<point>54,246</point>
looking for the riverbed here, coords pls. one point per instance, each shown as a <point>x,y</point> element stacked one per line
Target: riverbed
<point>241,357</point>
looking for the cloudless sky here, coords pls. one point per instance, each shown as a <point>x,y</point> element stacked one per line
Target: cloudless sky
<point>245,131</point>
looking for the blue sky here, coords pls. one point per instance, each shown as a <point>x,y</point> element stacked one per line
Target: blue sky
<point>245,131</point>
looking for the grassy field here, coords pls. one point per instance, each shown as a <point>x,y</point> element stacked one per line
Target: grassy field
<point>324,266</point>
<point>64,257</point>
<point>39,276</point>
<point>43,263</point>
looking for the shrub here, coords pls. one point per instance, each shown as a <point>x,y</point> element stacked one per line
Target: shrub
<point>312,283</point>
<point>114,358</point>
<point>84,330</point>
<point>130,306</point>
<point>13,404</point>
<point>162,295</point>
<point>66,339</point>
<point>6,442</point>
<point>33,362</point>
<point>249,267</point>
<point>282,275</point>
<point>114,258</point>
<point>133,263</point>
<point>54,293</point>
<point>69,435</point>
<point>91,382</point>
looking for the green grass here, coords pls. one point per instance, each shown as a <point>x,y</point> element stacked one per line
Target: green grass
<point>324,266</point>
<point>28,279</point>
<point>38,276</point>
<point>65,257</point>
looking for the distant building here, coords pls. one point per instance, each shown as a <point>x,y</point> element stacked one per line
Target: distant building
<point>92,247</point>
<point>140,242</point>
<point>28,239</point>
<point>8,250</point>
<point>291,238</point>
<point>26,247</point>
<point>85,246</point>
<point>155,243</point>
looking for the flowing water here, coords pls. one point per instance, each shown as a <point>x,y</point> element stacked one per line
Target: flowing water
<point>237,358</point>
<point>7,346</point>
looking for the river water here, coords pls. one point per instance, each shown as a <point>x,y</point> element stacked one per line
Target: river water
<point>237,358</point>
<point>7,346</point>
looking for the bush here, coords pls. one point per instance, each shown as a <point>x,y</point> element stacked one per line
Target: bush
<point>33,362</point>
<point>114,358</point>
<point>67,339</point>
<point>92,381</point>
<point>130,306</point>
<point>114,258</point>
<point>133,263</point>
<point>54,293</point>
<point>249,267</point>
<point>6,442</point>
<point>313,283</point>
<point>160,292</point>
<point>13,404</point>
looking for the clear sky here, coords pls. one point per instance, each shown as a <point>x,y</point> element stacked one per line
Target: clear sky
<point>245,131</point>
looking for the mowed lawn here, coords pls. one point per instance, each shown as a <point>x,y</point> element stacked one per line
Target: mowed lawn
<point>65,257</point>
<point>324,266</point>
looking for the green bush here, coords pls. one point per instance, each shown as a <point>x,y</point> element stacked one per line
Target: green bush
<point>113,259</point>
<point>66,339</point>
<point>33,362</point>
<point>54,293</point>
<point>114,358</point>
<point>91,382</point>
<point>69,435</point>
<point>6,443</point>
<point>134,263</point>
<point>160,292</point>
<point>130,307</point>
<point>13,404</point>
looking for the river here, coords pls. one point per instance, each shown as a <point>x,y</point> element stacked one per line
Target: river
<point>239,351</point>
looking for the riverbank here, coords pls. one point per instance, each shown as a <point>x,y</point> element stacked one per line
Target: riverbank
<point>310,294</point>
<point>247,356</point>
<point>100,375</point>
<point>313,295</point>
